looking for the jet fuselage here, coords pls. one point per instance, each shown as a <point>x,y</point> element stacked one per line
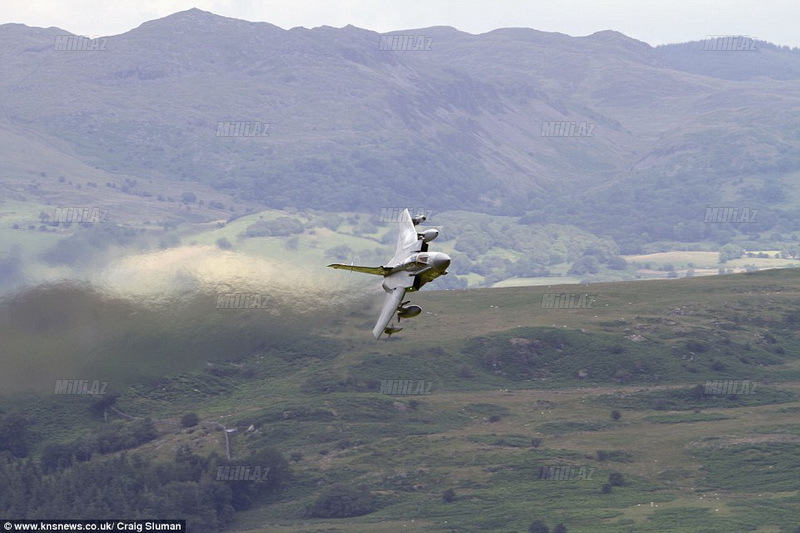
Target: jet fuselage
<point>424,266</point>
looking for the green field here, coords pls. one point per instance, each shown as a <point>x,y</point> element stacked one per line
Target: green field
<point>487,251</point>
<point>703,263</point>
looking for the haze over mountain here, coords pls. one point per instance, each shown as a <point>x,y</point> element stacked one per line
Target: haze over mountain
<point>463,123</point>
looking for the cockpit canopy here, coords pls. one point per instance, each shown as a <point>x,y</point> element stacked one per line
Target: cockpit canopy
<point>421,258</point>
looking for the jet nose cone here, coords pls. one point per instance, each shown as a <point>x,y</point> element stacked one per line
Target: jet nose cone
<point>441,262</point>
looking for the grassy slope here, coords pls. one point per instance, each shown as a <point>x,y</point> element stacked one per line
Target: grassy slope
<point>686,474</point>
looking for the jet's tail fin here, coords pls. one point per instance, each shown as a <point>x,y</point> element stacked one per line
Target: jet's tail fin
<point>407,239</point>
<point>380,271</point>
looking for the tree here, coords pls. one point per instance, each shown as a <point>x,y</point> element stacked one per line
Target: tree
<point>102,402</point>
<point>615,415</point>
<point>560,528</point>
<point>698,392</point>
<point>616,479</point>
<point>585,265</point>
<point>537,526</point>
<point>274,471</point>
<point>449,496</point>
<point>14,434</point>
<point>331,221</point>
<point>465,372</point>
<point>189,420</point>
<point>617,263</point>
<point>473,243</point>
<point>56,456</point>
<point>342,501</point>
<point>730,251</point>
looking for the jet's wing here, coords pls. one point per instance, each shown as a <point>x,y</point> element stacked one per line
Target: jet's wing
<point>390,304</point>
<point>380,271</point>
<point>407,240</point>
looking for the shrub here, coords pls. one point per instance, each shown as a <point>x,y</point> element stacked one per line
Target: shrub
<point>190,420</point>
<point>537,526</point>
<point>342,501</point>
<point>616,479</point>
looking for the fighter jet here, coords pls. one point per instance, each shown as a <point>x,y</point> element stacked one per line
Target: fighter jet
<point>411,267</point>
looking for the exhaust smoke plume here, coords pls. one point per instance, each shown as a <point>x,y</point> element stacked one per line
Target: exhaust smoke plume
<point>164,312</point>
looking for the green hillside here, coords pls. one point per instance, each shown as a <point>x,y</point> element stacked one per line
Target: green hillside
<point>466,125</point>
<point>487,393</point>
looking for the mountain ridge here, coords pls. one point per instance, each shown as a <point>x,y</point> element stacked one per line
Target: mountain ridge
<point>466,124</point>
